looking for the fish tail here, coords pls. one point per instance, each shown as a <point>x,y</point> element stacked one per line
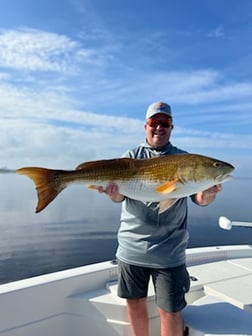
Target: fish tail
<point>47,182</point>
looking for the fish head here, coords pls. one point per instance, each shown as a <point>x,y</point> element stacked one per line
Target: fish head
<point>225,169</point>
<point>198,168</point>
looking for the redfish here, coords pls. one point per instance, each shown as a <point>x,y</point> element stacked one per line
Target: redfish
<point>161,179</point>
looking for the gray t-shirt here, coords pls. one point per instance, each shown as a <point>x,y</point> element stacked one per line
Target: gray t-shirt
<point>145,237</point>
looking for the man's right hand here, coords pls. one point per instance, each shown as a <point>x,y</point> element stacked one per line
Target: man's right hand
<point>112,190</point>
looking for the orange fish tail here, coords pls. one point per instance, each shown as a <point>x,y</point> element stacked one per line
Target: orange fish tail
<point>47,183</point>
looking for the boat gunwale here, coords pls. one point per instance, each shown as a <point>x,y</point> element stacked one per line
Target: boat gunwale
<point>194,256</point>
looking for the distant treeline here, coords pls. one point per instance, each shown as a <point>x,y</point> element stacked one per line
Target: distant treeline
<point>6,170</point>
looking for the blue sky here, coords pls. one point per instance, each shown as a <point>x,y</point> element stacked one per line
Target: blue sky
<point>77,76</point>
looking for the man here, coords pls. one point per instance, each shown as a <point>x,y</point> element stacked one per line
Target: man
<point>152,245</point>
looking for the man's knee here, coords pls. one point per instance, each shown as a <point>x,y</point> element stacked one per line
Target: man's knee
<point>171,323</point>
<point>136,303</point>
<point>174,317</point>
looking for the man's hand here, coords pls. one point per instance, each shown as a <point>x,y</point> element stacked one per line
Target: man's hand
<point>207,196</point>
<point>112,190</point>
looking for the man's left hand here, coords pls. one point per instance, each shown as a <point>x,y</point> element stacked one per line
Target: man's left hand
<point>207,196</point>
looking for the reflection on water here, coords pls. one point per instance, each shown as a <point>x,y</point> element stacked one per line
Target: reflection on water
<point>32,250</point>
<point>80,227</point>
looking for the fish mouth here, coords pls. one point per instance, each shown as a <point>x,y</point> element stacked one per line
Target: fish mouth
<point>223,178</point>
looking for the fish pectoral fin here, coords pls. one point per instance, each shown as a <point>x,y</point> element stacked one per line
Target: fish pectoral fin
<point>167,187</point>
<point>166,204</point>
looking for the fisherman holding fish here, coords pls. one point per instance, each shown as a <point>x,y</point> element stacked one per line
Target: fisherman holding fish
<point>153,182</point>
<point>153,244</point>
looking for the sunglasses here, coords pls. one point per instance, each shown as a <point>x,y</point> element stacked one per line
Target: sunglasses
<point>155,123</point>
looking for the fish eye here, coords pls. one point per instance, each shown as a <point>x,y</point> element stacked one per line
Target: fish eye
<point>56,176</point>
<point>218,164</point>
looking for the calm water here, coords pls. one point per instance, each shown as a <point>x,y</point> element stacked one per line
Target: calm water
<point>80,227</point>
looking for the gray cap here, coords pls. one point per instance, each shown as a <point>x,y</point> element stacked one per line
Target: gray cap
<point>158,107</point>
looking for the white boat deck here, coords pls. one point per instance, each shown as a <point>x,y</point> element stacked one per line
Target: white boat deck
<point>212,316</point>
<point>236,291</point>
<point>220,299</point>
<point>83,301</point>
<point>230,280</point>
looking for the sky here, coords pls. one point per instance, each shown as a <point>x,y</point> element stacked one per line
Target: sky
<point>76,78</point>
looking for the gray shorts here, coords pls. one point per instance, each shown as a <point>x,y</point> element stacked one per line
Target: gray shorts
<point>170,284</point>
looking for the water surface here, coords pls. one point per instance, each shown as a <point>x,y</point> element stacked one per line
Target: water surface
<point>80,227</point>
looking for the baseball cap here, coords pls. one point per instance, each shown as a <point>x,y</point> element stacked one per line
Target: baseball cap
<point>158,107</point>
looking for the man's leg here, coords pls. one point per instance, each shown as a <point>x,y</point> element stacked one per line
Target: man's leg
<point>171,323</point>
<point>133,286</point>
<point>138,316</point>
<point>171,285</point>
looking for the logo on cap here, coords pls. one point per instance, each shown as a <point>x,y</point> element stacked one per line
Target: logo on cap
<point>161,107</point>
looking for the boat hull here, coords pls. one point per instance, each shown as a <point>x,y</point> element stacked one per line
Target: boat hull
<point>83,301</point>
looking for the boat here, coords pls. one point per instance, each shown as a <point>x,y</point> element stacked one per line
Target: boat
<point>83,302</point>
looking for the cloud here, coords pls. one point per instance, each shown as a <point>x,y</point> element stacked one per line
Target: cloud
<point>35,50</point>
<point>90,107</point>
<point>195,87</point>
<point>43,127</point>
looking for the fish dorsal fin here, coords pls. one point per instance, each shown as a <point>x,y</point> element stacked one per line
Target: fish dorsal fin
<point>86,165</point>
<point>166,204</point>
<point>167,187</point>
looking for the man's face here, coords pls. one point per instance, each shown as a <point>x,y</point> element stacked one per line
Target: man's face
<point>158,130</point>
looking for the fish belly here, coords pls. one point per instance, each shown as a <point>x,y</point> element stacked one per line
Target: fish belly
<point>144,191</point>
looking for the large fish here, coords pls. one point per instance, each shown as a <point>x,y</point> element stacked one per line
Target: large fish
<point>163,179</point>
